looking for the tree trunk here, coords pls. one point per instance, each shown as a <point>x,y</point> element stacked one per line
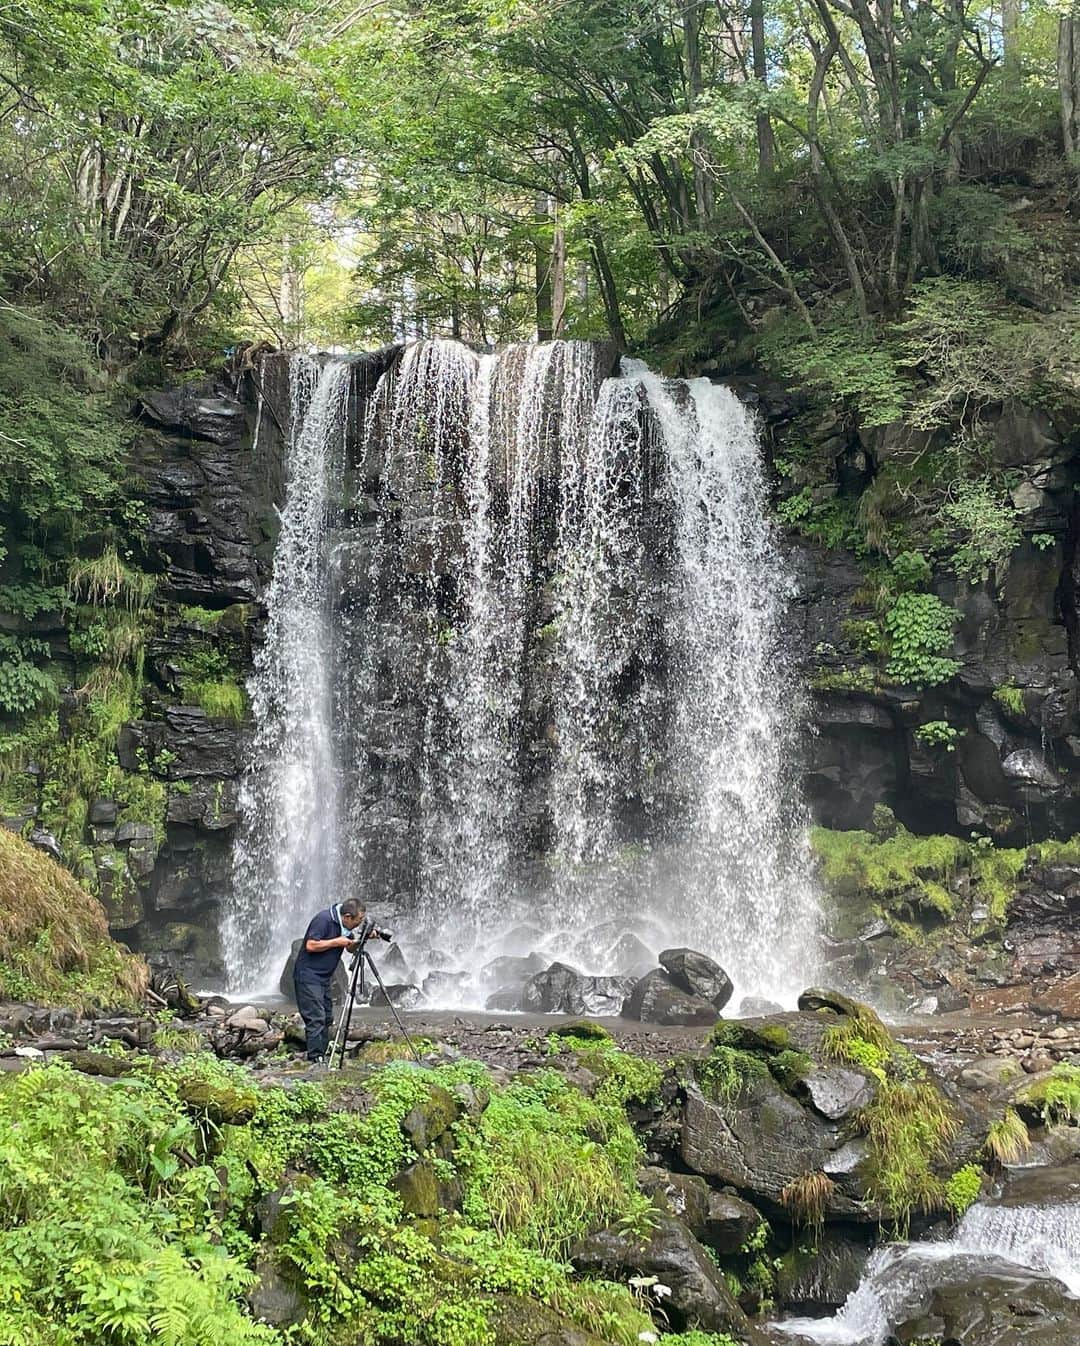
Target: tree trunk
<point>558,282</point>
<point>542,249</point>
<point>765,139</point>
<point>1010,33</point>
<point>1069,78</point>
<point>609,293</point>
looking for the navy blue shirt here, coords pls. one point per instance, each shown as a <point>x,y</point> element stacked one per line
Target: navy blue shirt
<point>323,965</point>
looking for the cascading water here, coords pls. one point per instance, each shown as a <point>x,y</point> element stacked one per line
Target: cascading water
<point>284,859</point>
<point>1044,1240</point>
<point>549,633</point>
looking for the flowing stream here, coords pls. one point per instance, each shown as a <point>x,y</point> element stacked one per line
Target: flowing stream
<point>524,685</point>
<point>1043,1240</point>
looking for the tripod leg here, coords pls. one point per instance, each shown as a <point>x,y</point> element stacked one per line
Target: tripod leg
<point>341,1037</point>
<point>393,1010</point>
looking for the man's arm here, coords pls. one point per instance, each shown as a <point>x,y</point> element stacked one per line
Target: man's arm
<point>321,945</point>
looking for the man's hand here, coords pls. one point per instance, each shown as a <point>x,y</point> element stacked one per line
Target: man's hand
<point>344,942</point>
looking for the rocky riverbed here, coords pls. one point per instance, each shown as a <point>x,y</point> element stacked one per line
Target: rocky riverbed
<point>783,1154</point>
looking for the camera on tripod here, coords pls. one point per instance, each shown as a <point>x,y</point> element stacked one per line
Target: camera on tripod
<point>367,929</point>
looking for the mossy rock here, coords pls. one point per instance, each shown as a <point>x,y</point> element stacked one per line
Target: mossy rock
<point>818,998</point>
<point>98,1063</point>
<point>525,1322</point>
<point>432,1118</point>
<point>746,1036</point>
<point>585,1029</point>
<point>221,1104</point>
<point>418,1188</point>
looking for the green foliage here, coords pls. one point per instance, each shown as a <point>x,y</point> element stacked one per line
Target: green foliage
<point>727,1071</point>
<point>908,1124</point>
<point>1057,1097</point>
<point>221,699</point>
<point>898,874</point>
<point>920,630</point>
<point>938,734</point>
<point>963,1189</point>
<point>981,510</point>
<point>840,362</point>
<point>547,1164</point>
<point>1011,697</point>
<point>24,687</point>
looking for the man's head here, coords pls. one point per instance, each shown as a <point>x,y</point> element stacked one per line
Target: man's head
<point>353,912</point>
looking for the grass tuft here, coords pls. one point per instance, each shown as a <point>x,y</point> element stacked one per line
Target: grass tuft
<point>807,1198</point>
<point>1007,1139</point>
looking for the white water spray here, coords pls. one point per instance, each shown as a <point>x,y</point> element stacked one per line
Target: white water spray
<point>285,855</point>
<point>561,694</point>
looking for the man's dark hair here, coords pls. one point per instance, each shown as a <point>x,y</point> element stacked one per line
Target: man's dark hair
<point>352,906</point>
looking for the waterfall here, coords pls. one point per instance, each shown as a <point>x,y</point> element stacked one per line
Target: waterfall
<point>284,858</point>
<point>1044,1240</point>
<point>547,633</point>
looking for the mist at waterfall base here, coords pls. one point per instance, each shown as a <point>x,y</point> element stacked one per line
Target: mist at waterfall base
<point>523,687</point>
<point>989,1240</point>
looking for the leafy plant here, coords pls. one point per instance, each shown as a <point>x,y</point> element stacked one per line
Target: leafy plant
<point>938,734</point>
<point>920,630</point>
<point>964,1188</point>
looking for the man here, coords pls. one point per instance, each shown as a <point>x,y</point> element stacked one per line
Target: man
<point>324,941</point>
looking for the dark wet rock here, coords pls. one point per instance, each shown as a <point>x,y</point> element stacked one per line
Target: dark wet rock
<point>605,996</point>
<point>402,995</point>
<point>418,1188</point>
<point>730,1222</point>
<point>213,415</point>
<point>45,841</point>
<point>821,1274</point>
<point>816,998</point>
<point>189,743</point>
<point>837,1092</point>
<point>274,1299</point>
<point>207,805</point>
<point>559,990</point>
<point>102,812</point>
<point>698,975</point>
<point>764,1140</point>
<point>994,1307</point>
<point>683,1195</point>
<point>430,1120</point>
<point>657,1000</point>
<point>699,1298</point>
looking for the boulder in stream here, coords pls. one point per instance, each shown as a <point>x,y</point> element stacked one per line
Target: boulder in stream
<point>697,974</point>
<point>657,1000</point>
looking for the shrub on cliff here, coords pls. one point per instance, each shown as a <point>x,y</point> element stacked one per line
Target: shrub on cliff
<point>54,942</point>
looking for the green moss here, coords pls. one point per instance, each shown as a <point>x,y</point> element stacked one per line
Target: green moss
<point>996,871</point>
<point>726,1072</point>
<point>1057,1097</point>
<point>963,1189</point>
<point>854,863</point>
<point>908,1123</point>
<point>220,698</point>
<point>790,1067</point>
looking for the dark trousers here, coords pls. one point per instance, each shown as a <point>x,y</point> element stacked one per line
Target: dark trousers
<point>317,1011</point>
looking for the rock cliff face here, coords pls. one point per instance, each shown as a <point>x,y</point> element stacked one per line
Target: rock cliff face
<point>1013,701</point>
<point>209,502</point>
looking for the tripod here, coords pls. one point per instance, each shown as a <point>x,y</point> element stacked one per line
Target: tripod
<point>356,983</point>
